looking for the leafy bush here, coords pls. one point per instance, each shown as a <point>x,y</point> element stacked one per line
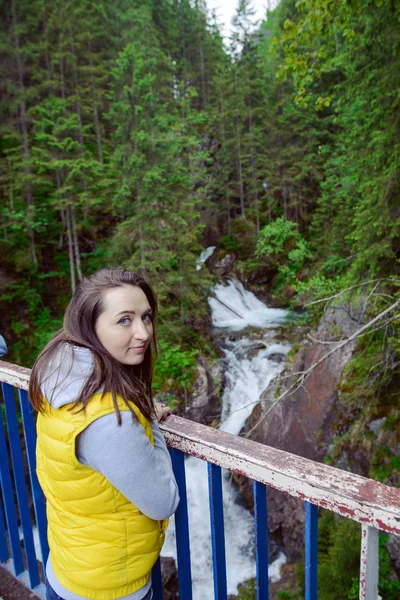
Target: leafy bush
<point>277,238</point>
<point>229,242</point>
<point>174,368</point>
<point>281,243</point>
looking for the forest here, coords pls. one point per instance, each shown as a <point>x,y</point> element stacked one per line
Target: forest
<point>132,134</point>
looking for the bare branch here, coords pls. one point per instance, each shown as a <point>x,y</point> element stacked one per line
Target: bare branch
<point>352,287</point>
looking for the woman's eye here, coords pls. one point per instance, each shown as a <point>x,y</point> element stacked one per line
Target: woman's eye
<point>124,321</point>
<point>147,318</point>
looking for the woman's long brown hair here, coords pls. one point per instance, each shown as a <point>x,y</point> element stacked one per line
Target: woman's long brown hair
<point>131,383</point>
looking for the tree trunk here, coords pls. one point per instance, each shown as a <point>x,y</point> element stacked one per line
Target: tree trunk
<point>253,159</point>
<point>239,157</point>
<point>80,134</point>
<point>141,236</point>
<point>26,149</point>
<point>95,110</point>
<point>228,206</point>
<point>61,240</point>
<point>239,169</point>
<point>76,244</point>
<point>4,228</point>
<point>70,249</point>
<point>201,54</point>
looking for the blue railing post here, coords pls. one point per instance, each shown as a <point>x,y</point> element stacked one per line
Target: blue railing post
<point>217,531</point>
<point>39,501</point>
<point>311,551</point>
<point>261,535</point>
<point>4,554</point>
<point>20,483</point>
<point>8,501</point>
<point>156,580</point>
<point>182,527</point>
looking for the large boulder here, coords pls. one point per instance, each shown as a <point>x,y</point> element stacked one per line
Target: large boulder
<point>221,265</point>
<point>304,421</point>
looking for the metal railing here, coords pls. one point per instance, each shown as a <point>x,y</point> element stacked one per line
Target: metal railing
<point>374,505</point>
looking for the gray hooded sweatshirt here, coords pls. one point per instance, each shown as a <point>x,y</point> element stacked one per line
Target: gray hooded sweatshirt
<point>123,454</point>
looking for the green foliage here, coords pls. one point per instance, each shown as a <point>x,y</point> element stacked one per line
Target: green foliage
<point>174,369</point>
<point>247,590</point>
<point>245,234</point>
<point>277,239</point>
<point>339,560</point>
<point>228,242</point>
<point>281,243</point>
<point>339,557</point>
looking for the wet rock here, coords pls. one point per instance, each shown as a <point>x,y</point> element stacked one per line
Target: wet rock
<point>343,463</point>
<point>203,405</point>
<point>254,349</point>
<point>376,426</point>
<point>201,325</point>
<point>227,264</point>
<point>277,357</point>
<point>221,265</point>
<point>393,547</point>
<point>261,276</point>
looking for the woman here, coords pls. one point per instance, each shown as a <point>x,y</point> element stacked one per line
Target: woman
<point>101,460</point>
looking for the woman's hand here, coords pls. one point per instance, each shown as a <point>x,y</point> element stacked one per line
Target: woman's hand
<point>162,411</point>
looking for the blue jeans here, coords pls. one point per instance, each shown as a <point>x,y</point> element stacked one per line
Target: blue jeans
<point>51,594</point>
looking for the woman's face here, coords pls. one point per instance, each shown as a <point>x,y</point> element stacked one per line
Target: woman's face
<point>125,327</point>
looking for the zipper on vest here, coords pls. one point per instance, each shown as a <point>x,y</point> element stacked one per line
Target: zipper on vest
<point>162,532</point>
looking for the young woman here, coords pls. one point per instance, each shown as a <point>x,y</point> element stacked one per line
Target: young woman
<point>101,460</point>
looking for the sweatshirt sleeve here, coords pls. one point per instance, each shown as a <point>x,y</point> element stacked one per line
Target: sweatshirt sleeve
<point>3,346</point>
<point>125,456</point>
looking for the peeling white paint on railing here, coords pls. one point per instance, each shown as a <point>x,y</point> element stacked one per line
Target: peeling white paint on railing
<point>14,375</point>
<point>350,495</point>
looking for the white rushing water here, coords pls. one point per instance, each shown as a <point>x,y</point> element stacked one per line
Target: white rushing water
<point>203,257</point>
<point>235,308</point>
<point>250,366</point>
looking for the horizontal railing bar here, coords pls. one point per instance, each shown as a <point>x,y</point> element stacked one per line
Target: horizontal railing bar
<point>14,375</point>
<point>347,494</point>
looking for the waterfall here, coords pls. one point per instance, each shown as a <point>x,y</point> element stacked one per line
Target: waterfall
<point>250,365</point>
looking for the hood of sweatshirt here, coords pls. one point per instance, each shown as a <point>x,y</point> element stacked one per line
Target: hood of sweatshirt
<point>66,374</point>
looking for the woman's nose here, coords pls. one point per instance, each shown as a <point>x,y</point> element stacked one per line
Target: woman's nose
<point>139,331</point>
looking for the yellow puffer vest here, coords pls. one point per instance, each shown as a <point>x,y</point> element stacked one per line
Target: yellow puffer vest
<point>102,546</point>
